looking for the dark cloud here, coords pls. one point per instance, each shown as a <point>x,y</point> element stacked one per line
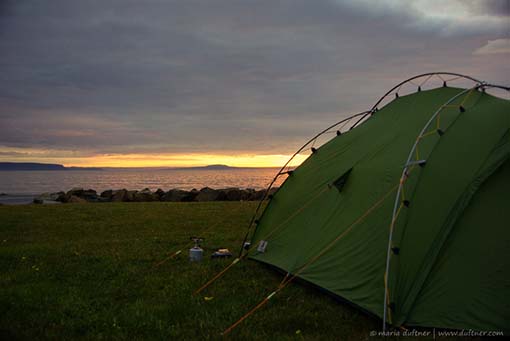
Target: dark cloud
<point>213,76</point>
<point>492,7</point>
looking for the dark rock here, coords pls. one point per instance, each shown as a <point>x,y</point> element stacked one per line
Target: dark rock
<point>234,194</point>
<point>88,195</point>
<point>222,195</point>
<point>120,195</point>
<point>101,199</point>
<point>73,199</point>
<point>77,191</point>
<point>248,194</point>
<point>145,195</point>
<point>257,195</point>
<point>191,196</point>
<point>131,195</point>
<point>38,201</point>
<point>108,194</point>
<point>160,193</point>
<point>209,194</point>
<point>175,195</point>
<point>61,196</point>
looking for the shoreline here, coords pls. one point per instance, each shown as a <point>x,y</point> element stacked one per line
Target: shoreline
<point>80,195</point>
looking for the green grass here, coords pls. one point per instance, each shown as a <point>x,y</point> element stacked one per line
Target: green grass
<point>87,272</point>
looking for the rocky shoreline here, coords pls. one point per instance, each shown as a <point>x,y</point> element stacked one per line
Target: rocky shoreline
<point>80,195</point>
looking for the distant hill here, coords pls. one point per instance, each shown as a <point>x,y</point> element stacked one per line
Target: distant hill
<point>33,166</point>
<point>212,167</point>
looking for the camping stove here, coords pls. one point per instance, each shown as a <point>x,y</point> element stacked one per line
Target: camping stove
<point>196,253</point>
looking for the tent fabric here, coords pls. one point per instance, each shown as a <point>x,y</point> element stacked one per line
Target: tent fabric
<point>450,266</point>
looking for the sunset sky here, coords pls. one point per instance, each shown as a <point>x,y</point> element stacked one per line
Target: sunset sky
<point>194,82</point>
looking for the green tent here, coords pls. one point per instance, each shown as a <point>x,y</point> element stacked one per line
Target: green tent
<point>418,193</point>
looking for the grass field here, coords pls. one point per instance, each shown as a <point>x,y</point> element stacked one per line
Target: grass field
<point>87,272</point>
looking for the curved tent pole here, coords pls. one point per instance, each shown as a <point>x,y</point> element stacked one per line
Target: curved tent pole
<point>479,85</point>
<point>410,80</point>
<point>496,86</point>
<point>281,171</point>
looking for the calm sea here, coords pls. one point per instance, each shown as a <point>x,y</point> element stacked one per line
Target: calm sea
<point>22,186</point>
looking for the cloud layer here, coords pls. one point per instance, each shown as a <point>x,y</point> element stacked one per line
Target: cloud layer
<point>194,76</point>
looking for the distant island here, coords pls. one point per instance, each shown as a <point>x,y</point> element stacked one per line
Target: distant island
<point>212,167</point>
<point>33,166</point>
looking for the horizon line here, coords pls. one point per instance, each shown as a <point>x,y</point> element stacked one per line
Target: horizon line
<point>138,167</point>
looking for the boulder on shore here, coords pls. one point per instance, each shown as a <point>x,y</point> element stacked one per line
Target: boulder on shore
<point>131,195</point>
<point>174,195</point>
<point>145,195</point>
<point>119,195</point>
<point>87,195</point>
<point>160,193</point>
<point>73,199</point>
<point>191,196</point>
<point>80,195</point>
<point>107,195</point>
<point>235,194</point>
<point>209,194</point>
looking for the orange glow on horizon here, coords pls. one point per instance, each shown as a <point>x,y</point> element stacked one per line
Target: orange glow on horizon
<point>71,159</point>
<point>184,160</point>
